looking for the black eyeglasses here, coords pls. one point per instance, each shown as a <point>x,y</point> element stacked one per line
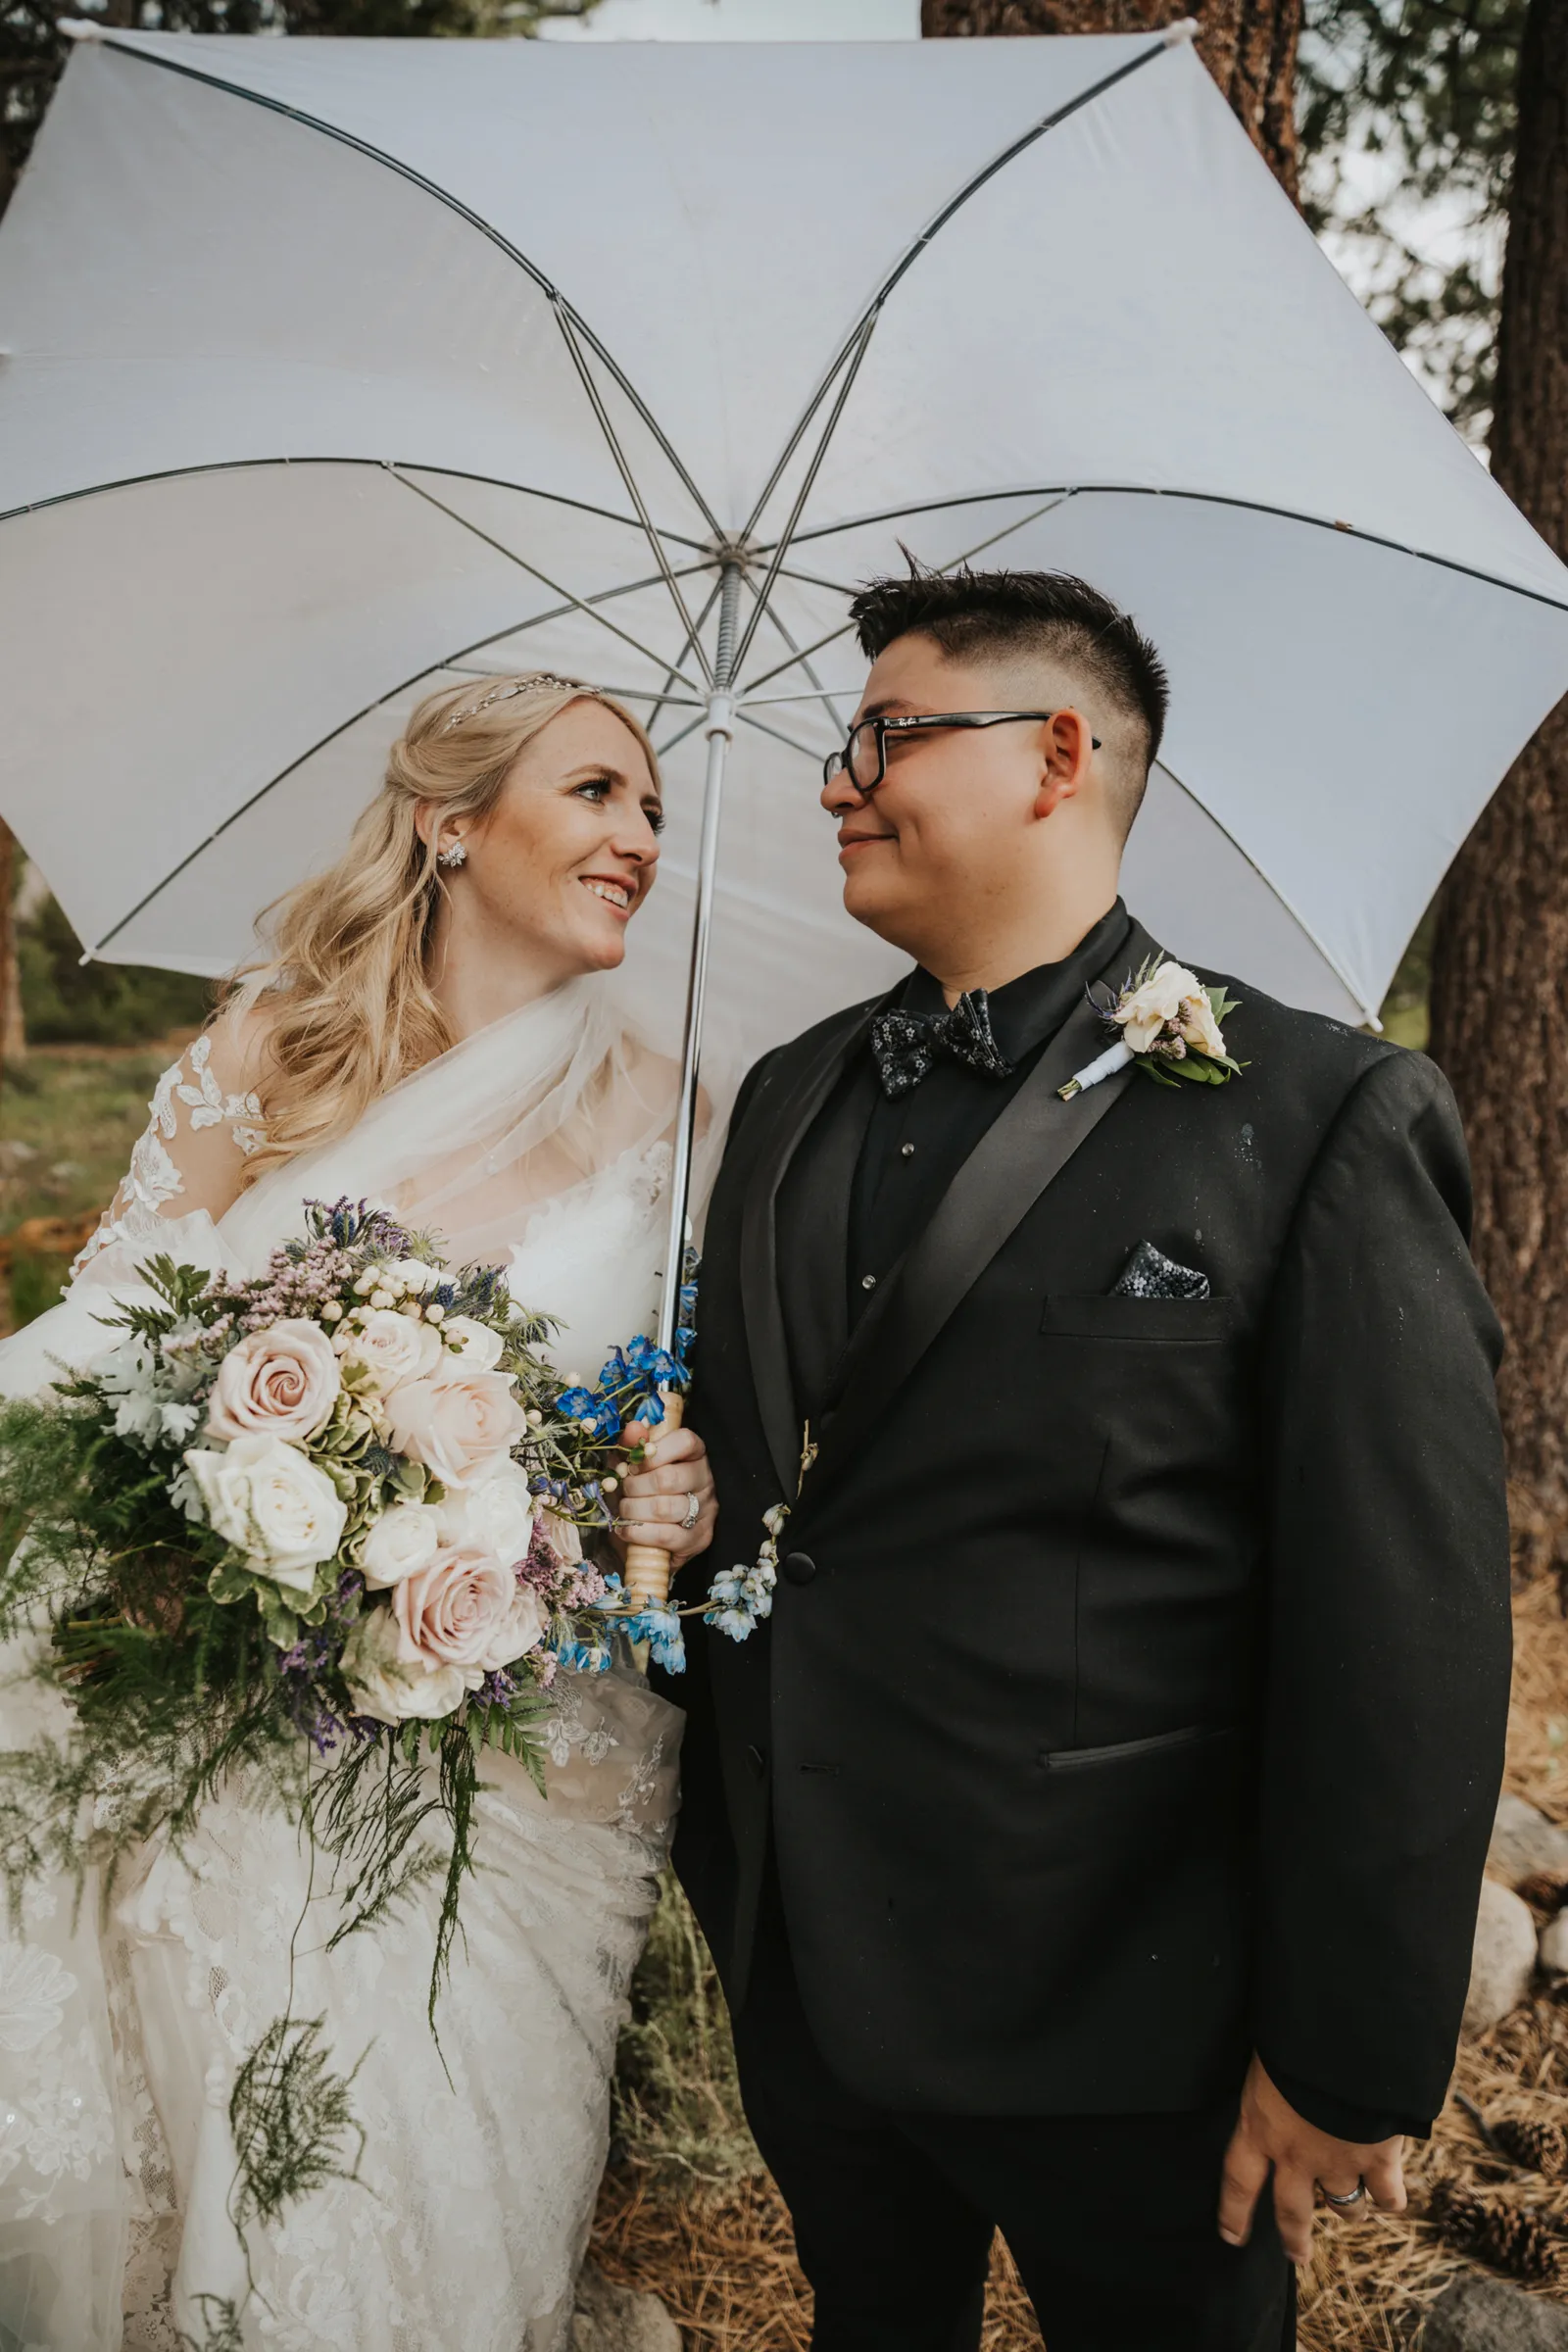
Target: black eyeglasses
<point>865,756</point>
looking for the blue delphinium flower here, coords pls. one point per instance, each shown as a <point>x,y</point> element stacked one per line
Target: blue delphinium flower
<point>598,1415</point>
<point>583,1657</point>
<point>660,1630</point>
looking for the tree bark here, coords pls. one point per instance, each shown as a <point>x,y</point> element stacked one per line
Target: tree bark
<point>1499,980</point>
<point>1248,45</point>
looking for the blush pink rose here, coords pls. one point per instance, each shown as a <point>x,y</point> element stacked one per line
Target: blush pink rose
<point>461,1425</point>
<point>467,1611</point>
<point>279,1383</point>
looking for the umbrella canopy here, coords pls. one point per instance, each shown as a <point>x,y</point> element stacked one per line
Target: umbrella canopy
<point>335,370</point>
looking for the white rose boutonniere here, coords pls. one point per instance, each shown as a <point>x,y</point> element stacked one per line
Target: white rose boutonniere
<point>1168,1022</point>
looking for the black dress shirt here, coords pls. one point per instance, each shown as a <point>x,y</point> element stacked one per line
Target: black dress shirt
<point>916,1144</point>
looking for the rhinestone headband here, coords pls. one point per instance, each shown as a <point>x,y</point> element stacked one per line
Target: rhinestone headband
<point>541,682</point>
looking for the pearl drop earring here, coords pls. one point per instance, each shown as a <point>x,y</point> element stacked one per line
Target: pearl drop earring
<point>453,856</point>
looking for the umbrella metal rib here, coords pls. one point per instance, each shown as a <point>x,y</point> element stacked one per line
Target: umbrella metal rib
<point>80,29</point>
<point>966,556</point>
<point>782,547</point>
<point>427,670</point>
<point>906,259</point>
<point>557,587</point>
<point>1352,988</point>
<point>654,542</point>
<point>1205,498</point>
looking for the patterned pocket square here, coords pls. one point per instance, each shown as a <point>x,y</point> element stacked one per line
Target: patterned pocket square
<point>1150,1274</point>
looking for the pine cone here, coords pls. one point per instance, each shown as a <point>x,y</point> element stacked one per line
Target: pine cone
<point>1545,1888</point>
<point>1541,2147</point>
<point>1518,2244</point>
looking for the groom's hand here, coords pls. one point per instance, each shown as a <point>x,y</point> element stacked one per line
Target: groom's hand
<point>1270,2133</point>
<point>655,1496</point>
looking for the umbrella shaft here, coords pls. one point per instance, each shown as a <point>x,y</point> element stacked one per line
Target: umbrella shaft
<point>720,728</point>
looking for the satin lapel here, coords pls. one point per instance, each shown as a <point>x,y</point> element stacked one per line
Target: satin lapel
<point>765,1337</point>
<point>1017,1158</point>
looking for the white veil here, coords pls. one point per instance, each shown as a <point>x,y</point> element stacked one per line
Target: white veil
<point>543,1140</point>
<point>542,1143</point>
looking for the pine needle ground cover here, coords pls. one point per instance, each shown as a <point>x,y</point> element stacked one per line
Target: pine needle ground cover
<point>689,2213</point>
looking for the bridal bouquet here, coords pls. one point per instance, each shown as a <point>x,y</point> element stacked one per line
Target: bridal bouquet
<point>326,1523</point>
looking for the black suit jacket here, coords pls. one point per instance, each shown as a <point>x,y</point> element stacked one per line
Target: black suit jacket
<point>1135,1689</point>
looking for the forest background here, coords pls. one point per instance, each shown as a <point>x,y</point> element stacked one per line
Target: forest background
<point>1427,143</point>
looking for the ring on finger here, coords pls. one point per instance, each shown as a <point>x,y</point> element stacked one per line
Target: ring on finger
<point>694,1512</point>
<point>1354,2197</point>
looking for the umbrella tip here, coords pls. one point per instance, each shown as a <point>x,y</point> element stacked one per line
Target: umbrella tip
<point>78,28</point>
<point>1186,30</point>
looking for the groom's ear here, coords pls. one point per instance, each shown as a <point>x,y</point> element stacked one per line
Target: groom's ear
<point>1066,746</point>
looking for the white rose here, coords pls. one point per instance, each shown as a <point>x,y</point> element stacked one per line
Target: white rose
<point>263,1496</point>
<point>479,1347</point>
<point>1197,1023</point>
<point>385,1683</point>
<point>402,1540</point>
<point>415,1276</point>
<point>391,1347</point>
<point>497,1515</point>
<point>462,1425</point>
<point>1144,1013</point>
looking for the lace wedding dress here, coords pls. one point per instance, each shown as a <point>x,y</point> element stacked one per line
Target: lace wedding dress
<point>540,1141</point>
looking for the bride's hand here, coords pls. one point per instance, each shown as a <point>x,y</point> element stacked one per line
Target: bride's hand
<point>656,1495</point>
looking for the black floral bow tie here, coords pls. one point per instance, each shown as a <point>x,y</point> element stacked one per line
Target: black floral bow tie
<point>904,1045</point>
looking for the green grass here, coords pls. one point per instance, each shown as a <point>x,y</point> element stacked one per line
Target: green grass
<point>677,2107</point>
<point>68,1117</point>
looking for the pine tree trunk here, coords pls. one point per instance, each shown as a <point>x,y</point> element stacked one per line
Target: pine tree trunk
<point>1499,979</point>
<point>1248,45</point>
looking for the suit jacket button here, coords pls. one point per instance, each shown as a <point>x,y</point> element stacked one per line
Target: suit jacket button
<point>799,1567</point>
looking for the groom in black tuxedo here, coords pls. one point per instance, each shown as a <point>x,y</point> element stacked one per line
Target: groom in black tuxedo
<point>1089,1842</point>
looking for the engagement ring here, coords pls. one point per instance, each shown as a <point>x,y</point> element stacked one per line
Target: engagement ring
<point>694,1512</point>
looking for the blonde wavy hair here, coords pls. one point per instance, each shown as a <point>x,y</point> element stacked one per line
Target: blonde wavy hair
<point>344,1001</point>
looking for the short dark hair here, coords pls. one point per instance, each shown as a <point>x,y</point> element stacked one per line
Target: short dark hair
<point>976,613</point>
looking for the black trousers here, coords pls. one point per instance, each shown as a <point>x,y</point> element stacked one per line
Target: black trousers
<point>1110,2219</point>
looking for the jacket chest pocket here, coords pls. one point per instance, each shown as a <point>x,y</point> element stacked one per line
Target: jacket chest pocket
<point>1129,1323</point>
<point>1159,1379</point>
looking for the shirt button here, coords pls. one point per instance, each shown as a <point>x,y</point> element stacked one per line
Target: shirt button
<point>906,1151</point>
<point>868,1282</point>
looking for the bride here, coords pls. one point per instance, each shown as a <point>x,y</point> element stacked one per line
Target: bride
<point>433,1032</point>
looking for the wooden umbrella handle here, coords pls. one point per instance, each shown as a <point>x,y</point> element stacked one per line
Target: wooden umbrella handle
<point>647,1565</point>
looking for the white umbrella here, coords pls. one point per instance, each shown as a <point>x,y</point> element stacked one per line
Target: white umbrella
<point>336,369</point>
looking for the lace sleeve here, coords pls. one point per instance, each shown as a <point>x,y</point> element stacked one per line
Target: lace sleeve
<point>204,1122</point>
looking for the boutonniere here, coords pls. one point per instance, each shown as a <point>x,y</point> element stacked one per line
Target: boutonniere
<point>1168,1023</point>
